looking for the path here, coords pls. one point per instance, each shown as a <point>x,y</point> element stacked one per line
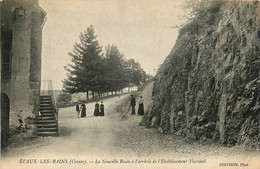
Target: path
<point>109,138</point>
<point>78,136</point>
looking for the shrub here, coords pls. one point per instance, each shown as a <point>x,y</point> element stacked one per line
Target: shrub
<point>64,98</point>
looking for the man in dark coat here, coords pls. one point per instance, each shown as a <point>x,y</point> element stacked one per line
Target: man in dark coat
<point>133,103</point>
<point>78,110</point>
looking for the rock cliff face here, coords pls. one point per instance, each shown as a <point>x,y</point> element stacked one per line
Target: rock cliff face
<point>208,88</point>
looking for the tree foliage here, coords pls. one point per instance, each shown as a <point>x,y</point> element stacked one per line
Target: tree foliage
<point>86,70</point>
<point>136,74</point>
<point>92,70</point>
<point>116,77</point>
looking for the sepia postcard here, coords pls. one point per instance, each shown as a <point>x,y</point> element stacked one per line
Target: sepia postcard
<point>172,84</point>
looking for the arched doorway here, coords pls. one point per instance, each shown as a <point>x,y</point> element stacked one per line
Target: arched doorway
<point>5,109</point>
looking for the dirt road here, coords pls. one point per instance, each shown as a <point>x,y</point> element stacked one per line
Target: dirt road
<point>83,142</point>
<point>78,136</point>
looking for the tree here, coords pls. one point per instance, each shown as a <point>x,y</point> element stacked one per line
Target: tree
<point>136,75</point>
<point>64,98</point>
<point>115,76</point>
<point>90,70</point>
<point>85,73</point>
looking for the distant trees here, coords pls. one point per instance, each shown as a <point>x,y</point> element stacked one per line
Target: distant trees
<point>97,72</point>
<point>136,74</point>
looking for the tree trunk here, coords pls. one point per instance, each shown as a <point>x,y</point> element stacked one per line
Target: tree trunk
<point>87,96</point>
<point>93,95</point>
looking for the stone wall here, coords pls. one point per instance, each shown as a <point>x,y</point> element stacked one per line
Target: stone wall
<point>208,88</point>
<point>23,90</point>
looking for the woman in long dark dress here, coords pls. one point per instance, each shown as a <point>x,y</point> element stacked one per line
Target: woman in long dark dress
<point>141,106</point>
<point>102,109</point>
<point>83,110</point>
<point>96,111</point>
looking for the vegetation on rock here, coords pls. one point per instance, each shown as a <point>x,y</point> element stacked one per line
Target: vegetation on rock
<point>208,88</point>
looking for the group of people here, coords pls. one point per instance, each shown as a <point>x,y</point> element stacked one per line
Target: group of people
<point>99,110</point>
<point>140,107</point>
<point>81,110</point>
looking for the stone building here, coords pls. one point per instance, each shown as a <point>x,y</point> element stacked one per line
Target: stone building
<point>21,40</point>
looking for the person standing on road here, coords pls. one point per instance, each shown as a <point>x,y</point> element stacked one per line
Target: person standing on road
<point>141,106</point>
<point>133,103</point>
<point>96,111</point>
<point>102,109</point>
<point>83,110</point>
<point>78,110</point>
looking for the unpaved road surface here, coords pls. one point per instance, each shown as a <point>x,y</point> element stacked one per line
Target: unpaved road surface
<point>83,142</point>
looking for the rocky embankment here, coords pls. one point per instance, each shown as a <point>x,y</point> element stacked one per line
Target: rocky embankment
<point>208,88</point>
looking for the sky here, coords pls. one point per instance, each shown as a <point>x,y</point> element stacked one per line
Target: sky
<point>142,30</point>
